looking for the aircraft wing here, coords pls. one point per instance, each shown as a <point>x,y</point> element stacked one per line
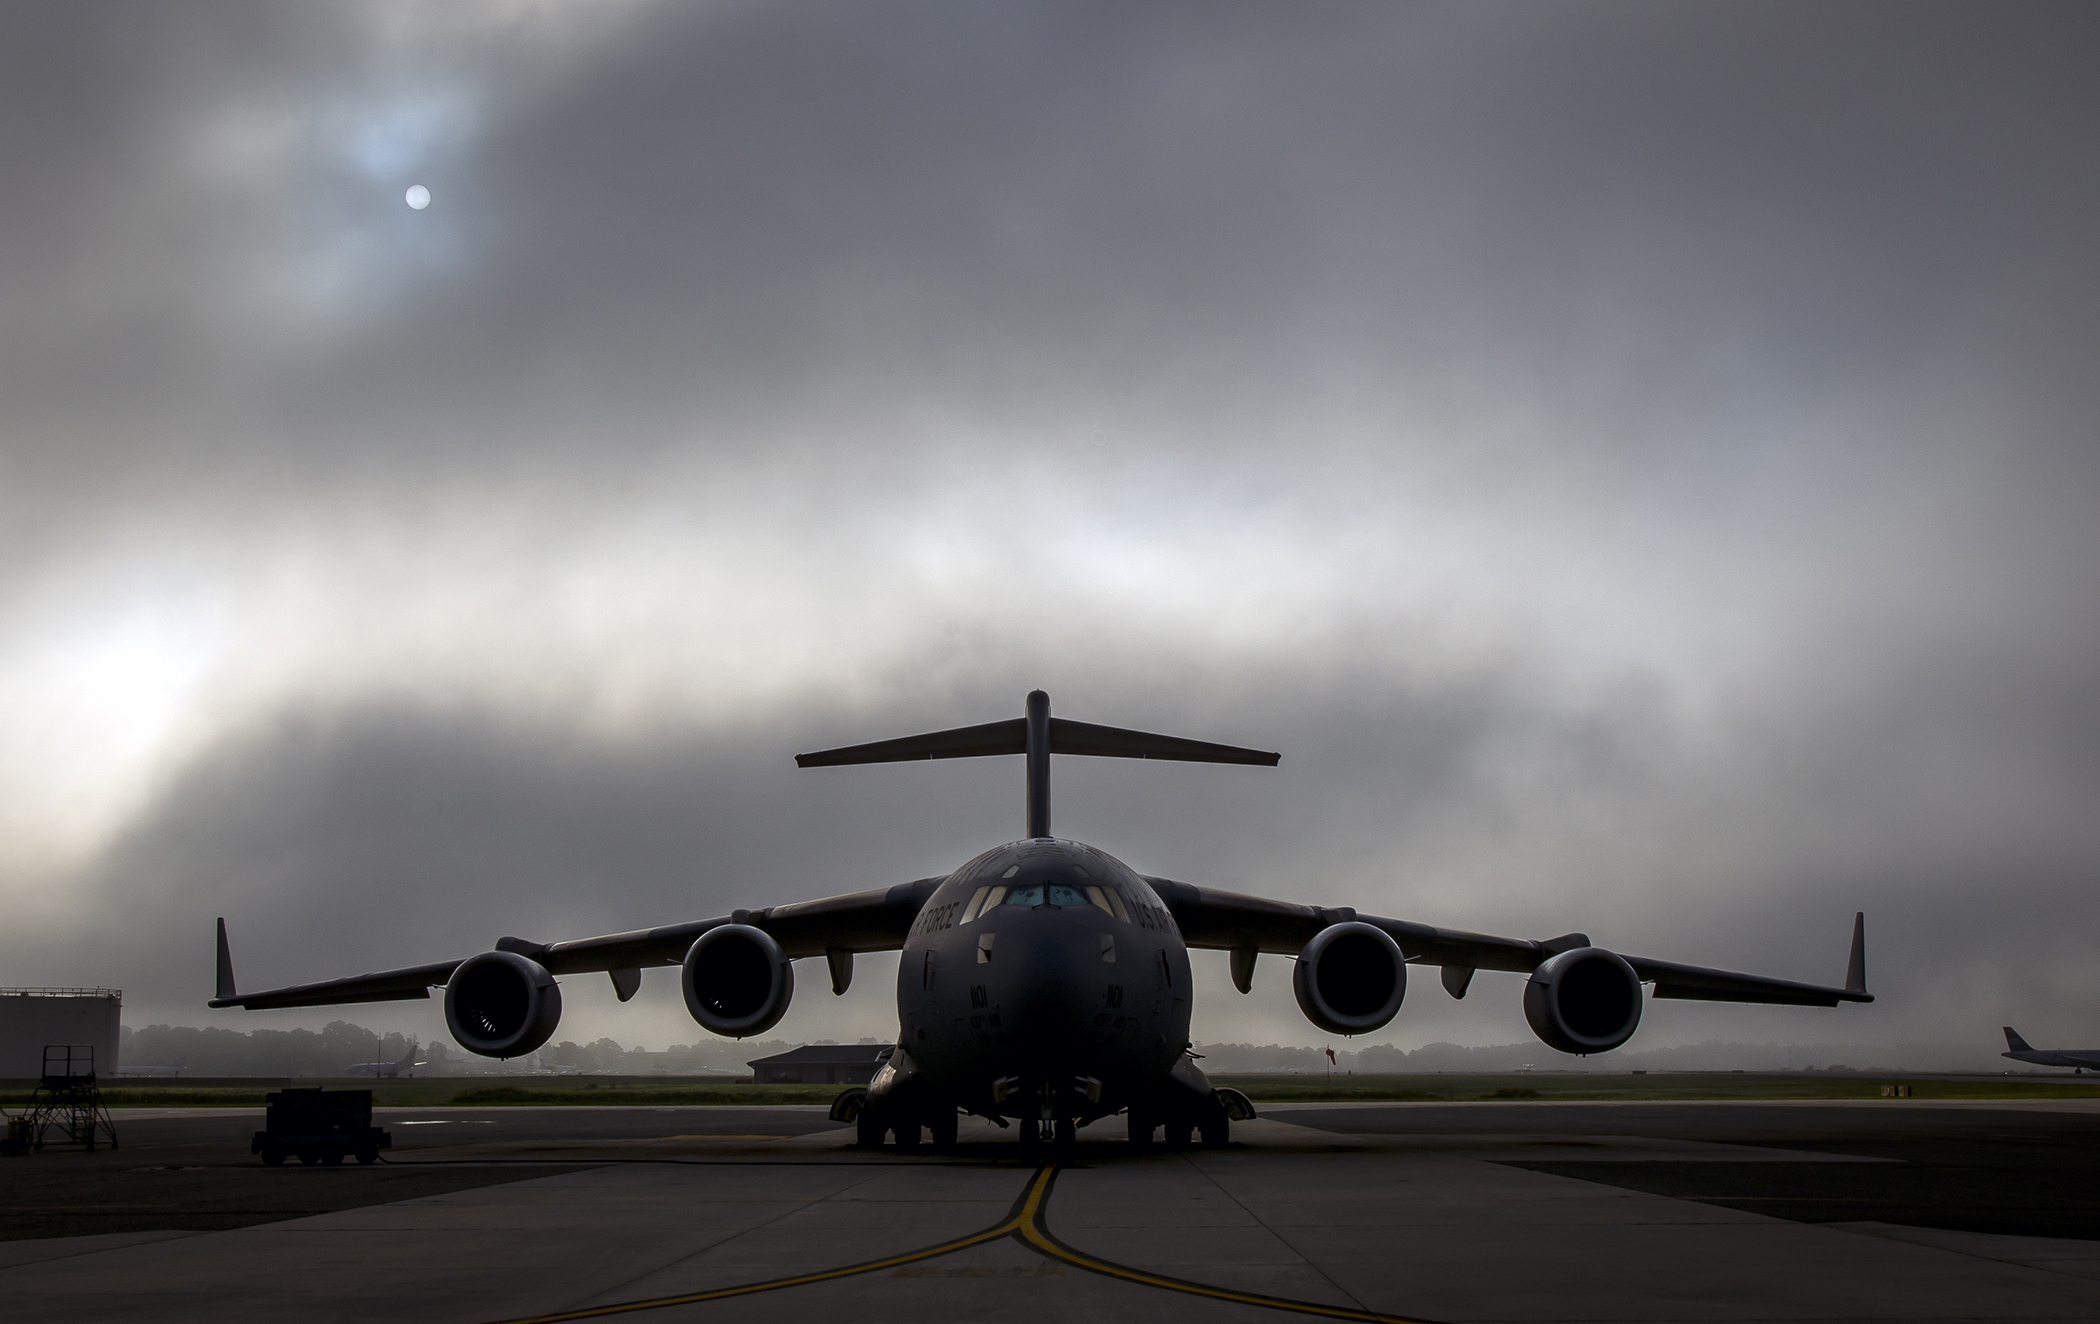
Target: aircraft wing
<point>1231,921</point>
<point>873,921</point>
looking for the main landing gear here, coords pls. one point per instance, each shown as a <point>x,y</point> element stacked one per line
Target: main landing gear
<point>871,1128</point>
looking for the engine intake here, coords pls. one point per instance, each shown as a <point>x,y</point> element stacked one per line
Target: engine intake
<point>501,1004</point>
<point>737,981</point>
<point>1350,978</point>
<point>1584,1001</point>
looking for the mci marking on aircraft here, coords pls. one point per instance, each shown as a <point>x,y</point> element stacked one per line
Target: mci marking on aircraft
<point>1045,981</point>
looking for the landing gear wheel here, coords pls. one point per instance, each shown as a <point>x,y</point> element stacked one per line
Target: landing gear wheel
<point>309,1156</point>
<point>1217,1133</point>
<point>1067,1133</point>
<point>907,1137</point>
<point>333,1158</point>
<point>1030,1134</point>
<point>867,1130</point>
<point>1141,1129</point>
<point>368,1156</point>
<point>1178,1135</point>
<point>273,1158</point>
<point>943,1129</point>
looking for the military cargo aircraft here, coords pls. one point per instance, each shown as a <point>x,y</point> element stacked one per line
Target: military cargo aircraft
<point>1046,981</point>
<point>2078,1059</point>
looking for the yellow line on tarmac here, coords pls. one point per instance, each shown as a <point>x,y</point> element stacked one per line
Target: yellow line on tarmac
<point>1038,1186</point>
<point>1025,1224</point>
<point>1033,1232</point>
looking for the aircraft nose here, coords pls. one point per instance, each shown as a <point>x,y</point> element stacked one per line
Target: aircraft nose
<point>1049,984</point>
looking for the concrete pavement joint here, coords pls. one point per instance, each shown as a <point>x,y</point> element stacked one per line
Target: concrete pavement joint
<point>723,1241</point>
<point>1263,1223</point>
<point>1025,1224</point>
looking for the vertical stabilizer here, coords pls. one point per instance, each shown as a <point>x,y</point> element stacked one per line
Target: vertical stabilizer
<point>1038,764</point>
<point>2015,1042</point>
<point>1856,968</point>
<point>226,993</point>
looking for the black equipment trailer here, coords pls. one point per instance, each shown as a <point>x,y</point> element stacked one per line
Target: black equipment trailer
<point>320,1126</point>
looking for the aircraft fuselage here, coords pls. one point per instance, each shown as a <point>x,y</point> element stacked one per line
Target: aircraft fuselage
<point>1044,973</point>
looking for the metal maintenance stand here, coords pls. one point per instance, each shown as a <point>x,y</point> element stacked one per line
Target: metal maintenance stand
<point>67,1101</point>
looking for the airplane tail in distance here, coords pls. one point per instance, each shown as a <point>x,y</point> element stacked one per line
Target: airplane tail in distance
<point>2015,1042</point>
<point>408,1059</point>
<point>1856,967</point>
<point>226,990</point>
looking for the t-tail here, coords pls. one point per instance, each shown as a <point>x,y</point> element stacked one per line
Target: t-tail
<point>1038,735</point>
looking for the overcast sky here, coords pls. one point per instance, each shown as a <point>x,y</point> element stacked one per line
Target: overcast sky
<point>1636,462</point>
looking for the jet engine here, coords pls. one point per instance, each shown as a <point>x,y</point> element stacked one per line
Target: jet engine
<point>1350,978</point>
<point>1584,1001</point>
<point>737,981</point>
<point>501,1004</point>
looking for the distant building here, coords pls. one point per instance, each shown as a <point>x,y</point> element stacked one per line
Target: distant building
<point>821,1064</point>
<point>33,1019</point>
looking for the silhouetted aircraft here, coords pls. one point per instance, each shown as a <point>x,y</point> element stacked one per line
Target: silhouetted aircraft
<point>1044,980</point>
<point>2022,1051</point>
<point>387,1070</point>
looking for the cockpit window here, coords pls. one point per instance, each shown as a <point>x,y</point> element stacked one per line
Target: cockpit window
<point>1045,894</point>
<point>1106,898</point>
<point>976,904</point>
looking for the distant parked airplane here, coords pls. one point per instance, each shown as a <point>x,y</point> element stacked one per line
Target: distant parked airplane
<point>2078,1059</point>
<point>387,1070</point>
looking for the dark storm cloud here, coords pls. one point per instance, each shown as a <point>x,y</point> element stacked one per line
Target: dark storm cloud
<point>1634,460</point>
<point>771,210</point>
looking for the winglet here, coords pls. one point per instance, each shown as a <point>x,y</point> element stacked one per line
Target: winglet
<point>226,992</point>
<point>1856,969</point>
<point>2015,1042</point>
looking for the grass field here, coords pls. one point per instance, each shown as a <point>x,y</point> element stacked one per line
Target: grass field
<point>469,1091</point>
<point>1657,1087</point>
<point>661,1091</point>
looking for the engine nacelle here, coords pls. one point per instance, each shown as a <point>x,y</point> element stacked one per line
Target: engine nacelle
<point>501,1004</point>
<point>737,981</point>
<point>1350,978</point>
<point>1584,1001</point>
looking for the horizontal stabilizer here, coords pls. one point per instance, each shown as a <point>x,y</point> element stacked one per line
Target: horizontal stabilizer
<point>964,742</point>
<point>1011,737</point>
<point>1113,742</point>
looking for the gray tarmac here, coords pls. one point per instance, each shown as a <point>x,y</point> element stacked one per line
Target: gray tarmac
<point>1435,1212</point>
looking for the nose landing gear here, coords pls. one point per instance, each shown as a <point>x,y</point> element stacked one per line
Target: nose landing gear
<point>1060,1132</point>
